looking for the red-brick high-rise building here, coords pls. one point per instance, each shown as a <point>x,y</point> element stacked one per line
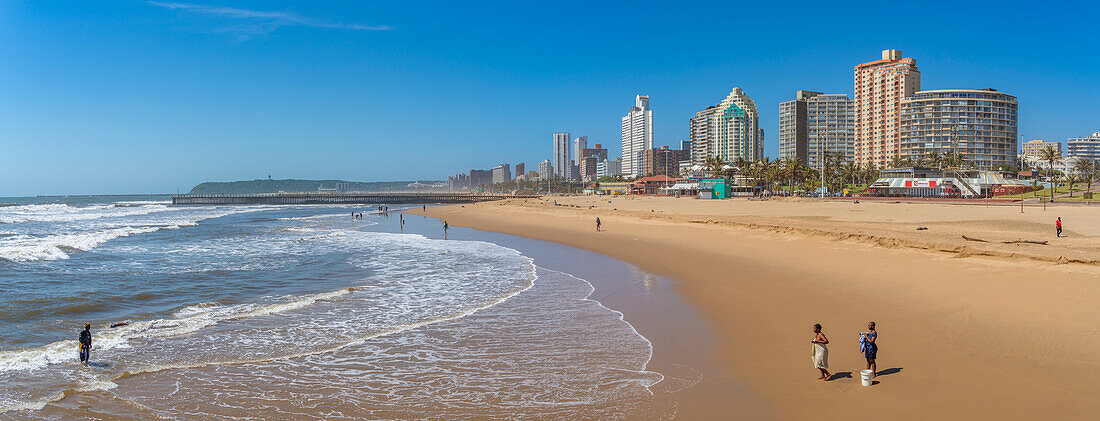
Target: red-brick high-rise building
<point>879,87</point>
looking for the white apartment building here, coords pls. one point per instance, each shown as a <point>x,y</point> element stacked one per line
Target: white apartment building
<point>580,143</point>
<point>729,130</point>
<point>1084,147</point>
<point>546,169</point>
<point>637,134</point>
<point>561,161</point>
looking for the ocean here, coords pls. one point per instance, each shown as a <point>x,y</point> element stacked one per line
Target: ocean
<point>260,312</point>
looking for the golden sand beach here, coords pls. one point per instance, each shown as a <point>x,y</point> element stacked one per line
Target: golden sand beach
<point>982,327</point>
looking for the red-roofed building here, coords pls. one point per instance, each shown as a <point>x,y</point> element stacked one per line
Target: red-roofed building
<point>652,185</point>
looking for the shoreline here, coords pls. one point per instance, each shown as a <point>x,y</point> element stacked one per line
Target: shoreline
<point>962,333</point>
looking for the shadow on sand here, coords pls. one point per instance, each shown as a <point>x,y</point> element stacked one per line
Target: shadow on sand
<point>889,371</point>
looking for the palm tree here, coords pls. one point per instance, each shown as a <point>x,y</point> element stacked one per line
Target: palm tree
<point>1087,169</point>
<point>713,165</point>
<point>897,162</point>
<point>1072,181</point>
<point>1050,156</point>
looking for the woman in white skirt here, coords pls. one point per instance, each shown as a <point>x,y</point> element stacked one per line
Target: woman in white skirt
<point>819,353</point>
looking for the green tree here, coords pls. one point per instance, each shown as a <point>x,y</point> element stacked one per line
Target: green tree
<point>1051,156</point>
<point>1087,170</point>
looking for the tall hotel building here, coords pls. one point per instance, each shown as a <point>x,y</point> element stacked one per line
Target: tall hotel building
<point>979,124</point>
<point>637,134</point>
<point>560,163</point>
<point>814,124</point>
<point>879,86</point>
<point>729,130</point>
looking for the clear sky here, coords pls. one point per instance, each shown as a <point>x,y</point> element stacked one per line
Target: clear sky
<point>135,96</point>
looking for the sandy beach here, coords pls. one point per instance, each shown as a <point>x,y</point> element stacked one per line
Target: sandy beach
<point>989,327</point>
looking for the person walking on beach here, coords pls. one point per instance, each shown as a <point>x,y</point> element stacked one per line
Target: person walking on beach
<point>597,224</point>
<point>819,353</point>
<point>869,347</point>
<point>85,343</point>
<point>445,228</point>
<point>1058,225</point>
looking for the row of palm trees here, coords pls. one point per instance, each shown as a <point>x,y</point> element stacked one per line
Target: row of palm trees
<point>1083,171</point>
<point>793,174</point>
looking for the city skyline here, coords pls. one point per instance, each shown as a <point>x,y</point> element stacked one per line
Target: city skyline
<point>168,97</point>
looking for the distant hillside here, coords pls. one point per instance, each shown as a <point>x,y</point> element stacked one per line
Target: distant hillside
<point>298,186</point>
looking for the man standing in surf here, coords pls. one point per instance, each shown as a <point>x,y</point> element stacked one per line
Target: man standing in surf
<point>85,343</point>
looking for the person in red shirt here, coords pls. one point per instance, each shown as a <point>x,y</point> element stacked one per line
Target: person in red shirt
<point>1059,225</point>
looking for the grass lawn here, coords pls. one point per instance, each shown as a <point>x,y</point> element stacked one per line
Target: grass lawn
<point>1077,190</point>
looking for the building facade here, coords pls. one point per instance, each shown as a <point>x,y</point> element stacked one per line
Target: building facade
<point>814,124</point>
<point>1034,149</point>
<point>580,143</point>
<point>589,161</point>
<point>637,134</point>
<point>502,173</point>
<point>562,158</point>
<point>1084,147</point>
<point>661,161</point>
<point>520,170</point>
<point>979,124</point>
<point>458,181</point>
<point>879,87</point>
<point>546,169</point>
<point>729,130</point>
<point>609,168</point>
<point>480,178</point>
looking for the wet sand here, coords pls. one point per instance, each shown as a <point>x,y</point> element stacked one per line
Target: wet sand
<point>968,329</point>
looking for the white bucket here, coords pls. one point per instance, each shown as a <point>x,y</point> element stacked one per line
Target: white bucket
<point>865,375</point>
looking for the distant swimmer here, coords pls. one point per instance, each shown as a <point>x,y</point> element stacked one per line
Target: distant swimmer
<point>85,343</point>
<point>119,324</point>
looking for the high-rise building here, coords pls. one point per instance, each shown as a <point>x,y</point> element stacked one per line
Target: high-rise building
<point>546,169</point>
<point>520,170</point>
<point>1084,147</point>
<point>458,181</point>
<point>729,130</point>
<point>637,134</point>
<point>978,124</point>
<point>608,168</point>
<point>561,158</point>
<point>589,158</point>
<point>814,124</point>
<point>480,178</point>
<point>580,143</point>
<point>502,173</point>
<point>661,161</point>
<point>879,86</point>
<point>1033,150</point>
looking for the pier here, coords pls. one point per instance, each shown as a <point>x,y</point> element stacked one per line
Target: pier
<point>318,198</point>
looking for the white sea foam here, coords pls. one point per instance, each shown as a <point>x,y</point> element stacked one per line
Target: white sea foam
<point>63,212</point>
<point>188,320</point>
<point>24,248</point>
<point>413,281</point>
<point>53,231</point>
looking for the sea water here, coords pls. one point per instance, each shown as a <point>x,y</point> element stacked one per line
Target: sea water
<point>259,312</point>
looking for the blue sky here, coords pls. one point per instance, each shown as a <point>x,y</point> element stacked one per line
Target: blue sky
<point>136,96</point>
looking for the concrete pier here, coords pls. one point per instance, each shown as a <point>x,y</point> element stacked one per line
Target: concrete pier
<point>314,198</point>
